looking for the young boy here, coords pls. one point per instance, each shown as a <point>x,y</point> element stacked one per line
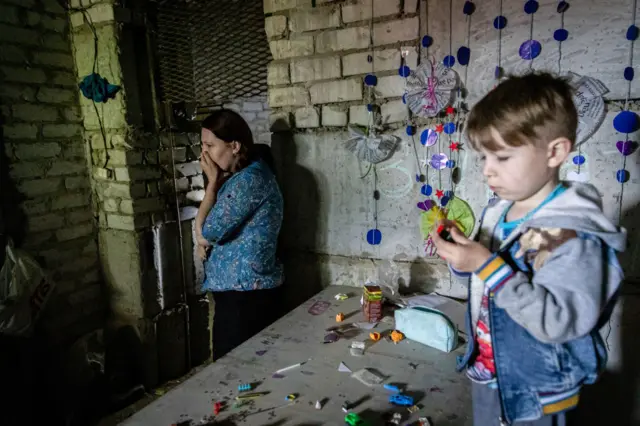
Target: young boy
<point>543,268</point>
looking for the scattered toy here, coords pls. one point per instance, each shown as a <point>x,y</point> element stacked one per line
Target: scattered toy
<point>397,336</point>
<point>340,317</point>
<point>217,407</point>
<point>290,397</point>
<point>424,421</point>
<point>341,296</point>
<point>413,409</point>
<point>396,419</point>
<point>331,338</point>
<point>401,400</point>
<point>352,419</point>
<point>375,336</point>
<point>392,388</point>
<point>318,405</point>
<point>291,367</point>
<point>244,387</point>
<point>346,406</point>
<point>250,395</point>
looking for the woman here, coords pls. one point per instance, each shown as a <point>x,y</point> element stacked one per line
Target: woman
<point>237,225</point>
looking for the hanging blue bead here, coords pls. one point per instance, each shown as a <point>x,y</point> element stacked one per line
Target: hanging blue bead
<point>369,107</point>
<point>560,34</point>
<point>468,8</point>
<point>500,22</point>
<point>374,237</point>
<point>622,175</point>
<point>427,41</point>
<point>404,71</point>
<point>448,194</point>
<point>563,6</point>
<point>628,73</point>
<point>371,80</point>
<point>626,122</point>
<point>451,164</point>
<point>464,53</point>
<point>578,160</point>
<point>426,190</point>
<point>530,49</point>
<point>444,201</point>
<point>404,99</point>
<point>531,7</point>
<point>498,73</point>
<point>418,178</point>
<point>369,58</point>
<point>632,33</point>
<point>411,130</point>
<point>449,128</point>
<point>449,61</point>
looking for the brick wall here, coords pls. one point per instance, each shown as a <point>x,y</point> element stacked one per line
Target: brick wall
<point>42,135</point>
<point>320,59</point>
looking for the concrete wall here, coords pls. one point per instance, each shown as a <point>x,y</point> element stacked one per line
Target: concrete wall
<point>42,136</point>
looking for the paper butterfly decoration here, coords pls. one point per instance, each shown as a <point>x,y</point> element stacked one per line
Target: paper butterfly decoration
<point>371,148</point>
<point>430,88</point>
<point>589,102</point>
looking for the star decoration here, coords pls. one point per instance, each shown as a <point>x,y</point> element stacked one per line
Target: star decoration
<point>439,193</point>
<point>455,146</point>
<point>450,110</point>
<point>439,128</point>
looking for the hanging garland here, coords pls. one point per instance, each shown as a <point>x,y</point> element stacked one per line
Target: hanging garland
<point>530,49</point>
<point>626,121</point>
<point>499,23</point>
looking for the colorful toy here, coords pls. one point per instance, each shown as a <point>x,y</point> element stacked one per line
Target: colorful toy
<point>375,336</point>
<point>396,336</point>
<point>401,400</point>
<point>244,387</point>
<point>340,317</point>
<point>352,419</point>
<point>217,407</point>
<point>290,397</point>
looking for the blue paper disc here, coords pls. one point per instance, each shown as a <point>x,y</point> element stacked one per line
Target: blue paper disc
<point>404,71</point>
<point>369,107</point>
<point>560,34</point>
<point>632,33</point>
<point>626,122</point>
<point>531,7</point>
<point>622,175</point>
<point>464,53</point>
<point>371,80</point>
<point>563,6</point>
<point>374,237</point>
<point>451,164</point>
<point>530,49</point>
<point>500,22</point>
<point>498,72</point>
<point>628,73</point>
<point>411,130</point>
<point>427,41</point>
<point>449,61</point>
<point>444,201</point>
<point>578,160</point>
<point>426,190</point>
<point>449,128</point>
<point>468,8</point>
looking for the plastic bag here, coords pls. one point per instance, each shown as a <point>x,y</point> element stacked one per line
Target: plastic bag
<point>24,291</point>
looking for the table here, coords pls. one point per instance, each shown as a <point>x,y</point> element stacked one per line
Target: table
<point>427,374</point>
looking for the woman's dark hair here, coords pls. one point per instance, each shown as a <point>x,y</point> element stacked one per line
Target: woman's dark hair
<point>229,126</point>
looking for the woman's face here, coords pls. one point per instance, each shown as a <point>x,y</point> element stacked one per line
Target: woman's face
<point>224,154</point>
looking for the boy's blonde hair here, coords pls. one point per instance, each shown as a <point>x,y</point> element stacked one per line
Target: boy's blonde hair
<point>535,108</point>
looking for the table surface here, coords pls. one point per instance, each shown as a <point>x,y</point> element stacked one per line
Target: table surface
<point>425,373</point>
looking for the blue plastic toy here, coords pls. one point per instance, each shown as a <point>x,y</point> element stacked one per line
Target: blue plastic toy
<point>401,400</point>
<point>245,387</point>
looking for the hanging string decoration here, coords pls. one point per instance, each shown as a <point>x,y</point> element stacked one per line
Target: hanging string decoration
<point>369,147</point>
<point>626,121</point>
<point>589,101</point>
<point>499,23</point>
<point>530,49</point>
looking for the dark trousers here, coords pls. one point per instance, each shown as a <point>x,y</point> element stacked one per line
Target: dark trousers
<point>239,315</point>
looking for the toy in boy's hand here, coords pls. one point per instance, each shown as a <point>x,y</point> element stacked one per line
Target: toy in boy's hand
<point>444,233</point>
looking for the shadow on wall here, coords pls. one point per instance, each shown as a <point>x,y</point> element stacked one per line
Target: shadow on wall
<point>615,399</point>
<point>298,238</point>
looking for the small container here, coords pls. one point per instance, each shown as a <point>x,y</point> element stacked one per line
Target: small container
<point>372,303</point>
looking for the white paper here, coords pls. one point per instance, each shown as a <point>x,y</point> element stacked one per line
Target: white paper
<point>343,368</point>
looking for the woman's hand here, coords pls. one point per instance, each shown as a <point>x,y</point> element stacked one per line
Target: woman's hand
<point>210,168</point>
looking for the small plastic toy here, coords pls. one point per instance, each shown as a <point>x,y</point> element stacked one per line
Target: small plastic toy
<point>244,387</point>
<point>444,233</point>
<point>401,400</point>
<point>346,406</point>
<point>217,407</point>
<point>250,395</point>
<point>397,336</point>
<point>290,397</point>
<point>340,317</point>
<point>423,421</point>
<point>352,419</point>
<point>318,405</point>
<point>341,296</point>
<point>375,336</point>
<point>392,388</point>
<point>396,419</point>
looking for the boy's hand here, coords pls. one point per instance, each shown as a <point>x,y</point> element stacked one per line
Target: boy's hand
<point>464,255</point>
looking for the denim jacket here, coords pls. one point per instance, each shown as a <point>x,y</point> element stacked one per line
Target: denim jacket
<point>552,285</point>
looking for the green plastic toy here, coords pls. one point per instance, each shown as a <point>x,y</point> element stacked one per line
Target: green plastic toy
<point>353,419</point>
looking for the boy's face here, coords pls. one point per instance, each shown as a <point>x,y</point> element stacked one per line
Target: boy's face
<point>519,173</point>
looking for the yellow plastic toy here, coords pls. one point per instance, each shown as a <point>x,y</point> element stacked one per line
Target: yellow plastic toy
<point>397,336</point>
<point>340,317</point>
<point>375,336</point>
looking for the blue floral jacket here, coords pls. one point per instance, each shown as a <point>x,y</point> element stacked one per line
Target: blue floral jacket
<point>243,228</point>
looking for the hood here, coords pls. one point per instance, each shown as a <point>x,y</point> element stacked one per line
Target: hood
<point>579,208</point>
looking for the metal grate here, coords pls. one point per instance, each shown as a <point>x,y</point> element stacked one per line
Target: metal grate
<point>211,51</point>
